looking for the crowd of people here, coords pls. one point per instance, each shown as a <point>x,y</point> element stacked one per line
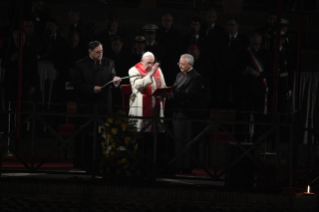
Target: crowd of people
<point>236,71</point>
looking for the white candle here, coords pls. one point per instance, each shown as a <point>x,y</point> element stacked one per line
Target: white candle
<point>308,190</point>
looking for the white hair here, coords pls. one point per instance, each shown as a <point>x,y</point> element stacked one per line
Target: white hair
<point>189,58</point>
<point>148,54</point>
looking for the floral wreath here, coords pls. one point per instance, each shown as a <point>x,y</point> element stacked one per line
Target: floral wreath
<point>120,148</point>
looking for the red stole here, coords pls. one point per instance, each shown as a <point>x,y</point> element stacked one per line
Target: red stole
<point>147,92</point>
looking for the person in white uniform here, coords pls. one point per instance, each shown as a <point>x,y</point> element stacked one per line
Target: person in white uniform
<point>142,100</point>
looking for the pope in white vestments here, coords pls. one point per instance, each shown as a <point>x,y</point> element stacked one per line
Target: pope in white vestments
<point>142,101</point>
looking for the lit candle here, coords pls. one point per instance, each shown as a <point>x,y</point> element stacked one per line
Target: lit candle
<point>308,192</point>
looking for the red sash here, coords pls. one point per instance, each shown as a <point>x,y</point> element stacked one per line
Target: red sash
<point>147,92</point>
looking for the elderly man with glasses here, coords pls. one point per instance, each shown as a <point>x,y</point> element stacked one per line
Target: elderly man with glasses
<point>188,98</point>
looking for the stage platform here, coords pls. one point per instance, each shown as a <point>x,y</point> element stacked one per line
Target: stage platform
<point>74,190</point>
<point>58,186</point>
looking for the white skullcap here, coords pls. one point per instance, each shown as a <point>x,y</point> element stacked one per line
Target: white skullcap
<point>147,54</point>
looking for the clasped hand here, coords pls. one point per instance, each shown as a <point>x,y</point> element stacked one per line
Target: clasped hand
<point>251,71</point>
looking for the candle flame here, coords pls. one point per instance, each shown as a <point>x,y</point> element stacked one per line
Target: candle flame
<point>308,190</point>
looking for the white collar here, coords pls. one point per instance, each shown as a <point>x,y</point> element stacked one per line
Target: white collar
<point>188,70</point>
<point>150,44</point>
<point>235,36</point>
<point>110,33</point>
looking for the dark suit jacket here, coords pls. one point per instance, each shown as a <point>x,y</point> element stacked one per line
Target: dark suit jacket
<point>86,76</point>
<point>54,48</point>
<point>212,39</point>
<point>228,55</point>
<point>82,29</point>
<point>190,39</point>
<point>169,39</point>
<point>188,94</point>
<point>217,30</point>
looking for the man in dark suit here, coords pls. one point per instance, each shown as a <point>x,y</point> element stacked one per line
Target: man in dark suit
<point>35,39</point>
<point>39,14</point>
<point>112,30</point>
<point>212,32</point>
<point>194,37</point>
<point>76,24</point>
<point>89,75</point>
<point>55,41</point>
<point>255,66</point>
<point>170,38</point>
<point>188,97</point>
<point>225,85</point>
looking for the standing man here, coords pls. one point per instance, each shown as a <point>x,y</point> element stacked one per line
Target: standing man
<point>255,66</point>
<point>231,45</point>
<point>150,31</point>
<point>142,101</point>
<point>167,35</point>
<point>267,31</point>
<point>188,97</point>
<point>212,33</point>
<point>56,42</point>
<point>194,37</point>
<point>89,75</point>
<point>170,38</point>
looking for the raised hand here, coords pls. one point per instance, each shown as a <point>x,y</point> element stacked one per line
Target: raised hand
<point>153,70</point>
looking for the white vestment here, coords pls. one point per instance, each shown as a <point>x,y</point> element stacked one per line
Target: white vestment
<point>136,99</point>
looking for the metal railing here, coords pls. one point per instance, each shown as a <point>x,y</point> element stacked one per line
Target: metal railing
<point>94,120</point>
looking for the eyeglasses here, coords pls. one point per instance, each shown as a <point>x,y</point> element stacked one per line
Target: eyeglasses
<point>181,64</point>
<point>99,52</point>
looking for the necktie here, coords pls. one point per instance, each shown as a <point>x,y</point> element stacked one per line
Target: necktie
<point>232,41</point>
<point>95,63</point>
<point>208,29</point>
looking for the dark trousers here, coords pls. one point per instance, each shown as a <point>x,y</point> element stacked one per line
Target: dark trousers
<point>183,131</point>
<point>250,105</point>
